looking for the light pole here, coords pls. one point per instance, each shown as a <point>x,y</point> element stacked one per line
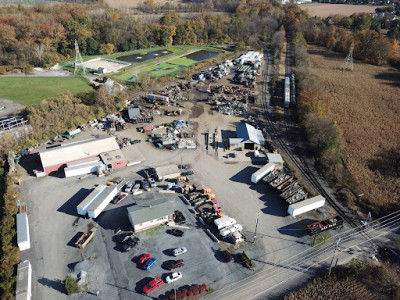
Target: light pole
<point>255,230</point>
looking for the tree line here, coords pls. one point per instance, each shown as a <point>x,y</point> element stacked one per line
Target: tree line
<point>43,35</point>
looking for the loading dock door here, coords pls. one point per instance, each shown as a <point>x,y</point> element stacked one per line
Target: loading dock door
<point>249,146</point>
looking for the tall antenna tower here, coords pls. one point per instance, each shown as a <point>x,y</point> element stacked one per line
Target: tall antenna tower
<point>348,62</point>
<point>78,59</point>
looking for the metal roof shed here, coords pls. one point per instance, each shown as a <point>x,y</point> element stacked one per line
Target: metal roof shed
<point>24,281</point>
<point>23,238</point>
<point>134,113</point>
<point>275,158</point>
<point>249,134</point>
<point>166,172</point>
<point>151,214</point>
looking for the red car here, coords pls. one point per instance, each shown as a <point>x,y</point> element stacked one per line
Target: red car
<point>152,285</point>
<point>176,264</point>
<point>144,258</point>
<point>118,199</point>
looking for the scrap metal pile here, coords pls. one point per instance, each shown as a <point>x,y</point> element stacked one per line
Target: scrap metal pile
<point>290,189</point>
<point>178,135</point>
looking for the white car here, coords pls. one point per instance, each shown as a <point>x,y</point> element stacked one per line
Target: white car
<point>179,251</point>
<point>174,277</point>
<point>135,188</point>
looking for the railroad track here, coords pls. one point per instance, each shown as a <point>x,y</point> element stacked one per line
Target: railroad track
<point>297,157</point>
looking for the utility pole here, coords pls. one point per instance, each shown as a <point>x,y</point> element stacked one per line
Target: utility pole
<point>358,202</point>
<point>333,257</point>
<point>255,230</point>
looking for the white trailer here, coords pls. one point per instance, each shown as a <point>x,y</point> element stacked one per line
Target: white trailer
<point>286,99</point>
<point>306,205</point>
<point>23,290</point>
<point>102,201</point>
<point>158,97</point>
<point>23,238</point>
<point>262,172</point>
<point>83,207</point>
<point>84,168</point>
<point>224,232</point>
<point>224,222</point>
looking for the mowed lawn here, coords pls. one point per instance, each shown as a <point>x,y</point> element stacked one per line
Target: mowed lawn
<point>32,90</point>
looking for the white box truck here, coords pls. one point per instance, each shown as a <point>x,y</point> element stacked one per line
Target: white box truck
<point>224,232</point>
<point>102,201</point>
<point>83,207</point>
<point>262,172</point>
<point>306,205</point>
<point>224,222</point>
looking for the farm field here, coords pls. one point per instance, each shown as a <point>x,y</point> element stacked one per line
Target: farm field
<point>32,90</point>
<point>324,10</point>
<point>366,108</point>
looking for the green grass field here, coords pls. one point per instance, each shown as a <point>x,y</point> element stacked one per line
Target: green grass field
<point>32,90</point>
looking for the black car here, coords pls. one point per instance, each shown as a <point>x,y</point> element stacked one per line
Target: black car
<point>123,237</point>
<point>227,256</point>
<point>178,217</point>
<point>129,244</point>
<point>176,232</point>
<point>187,173</point>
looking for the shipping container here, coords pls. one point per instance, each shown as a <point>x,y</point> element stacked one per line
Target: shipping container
<point>306,205</point>
<point>102,201</point>
<point>23,237</point>
<point>262,172</point>
<point>83,207</point>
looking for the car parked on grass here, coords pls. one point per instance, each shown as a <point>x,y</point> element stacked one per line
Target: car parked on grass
<point>176,232</point>
<point>227,256</point>
<point>179,251</point>
<point>145,257</point>
<point>152,285</point>
<point>173,277</point>
<point>176,264</point>
<point>149,263</point>
<point>135,188</point>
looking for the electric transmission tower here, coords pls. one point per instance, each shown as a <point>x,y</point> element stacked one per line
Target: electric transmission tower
<point>348,62</point>
<point>78,59</point>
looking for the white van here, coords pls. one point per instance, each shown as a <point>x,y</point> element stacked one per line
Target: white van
<point>179,251</point>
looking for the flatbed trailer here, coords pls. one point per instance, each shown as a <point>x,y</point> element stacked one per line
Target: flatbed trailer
<point>86,237</point>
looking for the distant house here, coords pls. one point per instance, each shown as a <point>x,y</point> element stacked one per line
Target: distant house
<point>247,137</point>
<point>150,214</point>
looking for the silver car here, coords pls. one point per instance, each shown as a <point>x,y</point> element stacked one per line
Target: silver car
<point>128,187</point>
<point>179,251</point>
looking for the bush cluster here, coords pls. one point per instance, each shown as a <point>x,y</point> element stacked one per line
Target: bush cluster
<point>9,252</point>
<point>190,293</point>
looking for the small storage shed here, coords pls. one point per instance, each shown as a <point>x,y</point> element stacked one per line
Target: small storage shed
<point>167,172</point>
<point>114,159</point>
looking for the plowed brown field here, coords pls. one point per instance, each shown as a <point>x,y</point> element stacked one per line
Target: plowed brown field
<point>367,109</point>
<point>324,10</point>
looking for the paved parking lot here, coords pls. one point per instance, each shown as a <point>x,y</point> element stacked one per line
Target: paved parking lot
<point>52,205</point>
